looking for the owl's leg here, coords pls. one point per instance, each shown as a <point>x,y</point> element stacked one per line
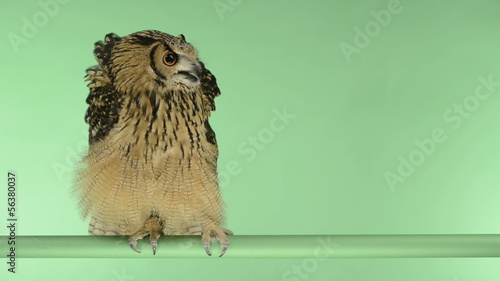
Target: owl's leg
<point>152,227</point>
<point>219,234</point>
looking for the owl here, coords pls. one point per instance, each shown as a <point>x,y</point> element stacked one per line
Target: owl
<point>151,167</point>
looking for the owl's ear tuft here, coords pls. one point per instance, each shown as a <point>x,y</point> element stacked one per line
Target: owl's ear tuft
<point>183,38</point>
<point>111,38</point>
<point>102,50</point>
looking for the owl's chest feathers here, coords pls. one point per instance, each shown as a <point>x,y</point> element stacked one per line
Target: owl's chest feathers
<point>152,127</point>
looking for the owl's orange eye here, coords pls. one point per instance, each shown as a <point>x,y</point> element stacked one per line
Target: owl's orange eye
<point>169,58</point>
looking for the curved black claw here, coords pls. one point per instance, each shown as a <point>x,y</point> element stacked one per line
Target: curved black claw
<point>133,244</point>
<point>224,248</point>
<point>153,245</point>
<point>206,245</point>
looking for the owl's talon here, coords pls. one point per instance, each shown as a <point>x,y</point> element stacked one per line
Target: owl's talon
<point>224,248</point>
<point>152,227</point>
<point>133,244</point>
<point>215,233</point>
<point>153,246</point>
<point>206,245</point>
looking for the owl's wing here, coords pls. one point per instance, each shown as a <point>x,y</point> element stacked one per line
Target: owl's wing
<point>210,88</point>
<point>104,105</point>
<point>103,100</point>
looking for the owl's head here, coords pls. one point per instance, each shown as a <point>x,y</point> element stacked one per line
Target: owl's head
<point>149,61</point>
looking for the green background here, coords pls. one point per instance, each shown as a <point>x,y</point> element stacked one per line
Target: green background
<point>367,91</point>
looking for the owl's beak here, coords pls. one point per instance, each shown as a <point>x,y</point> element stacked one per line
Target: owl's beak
<point>190,77</point>
<point>196,71</point>
<point>193,74</point>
